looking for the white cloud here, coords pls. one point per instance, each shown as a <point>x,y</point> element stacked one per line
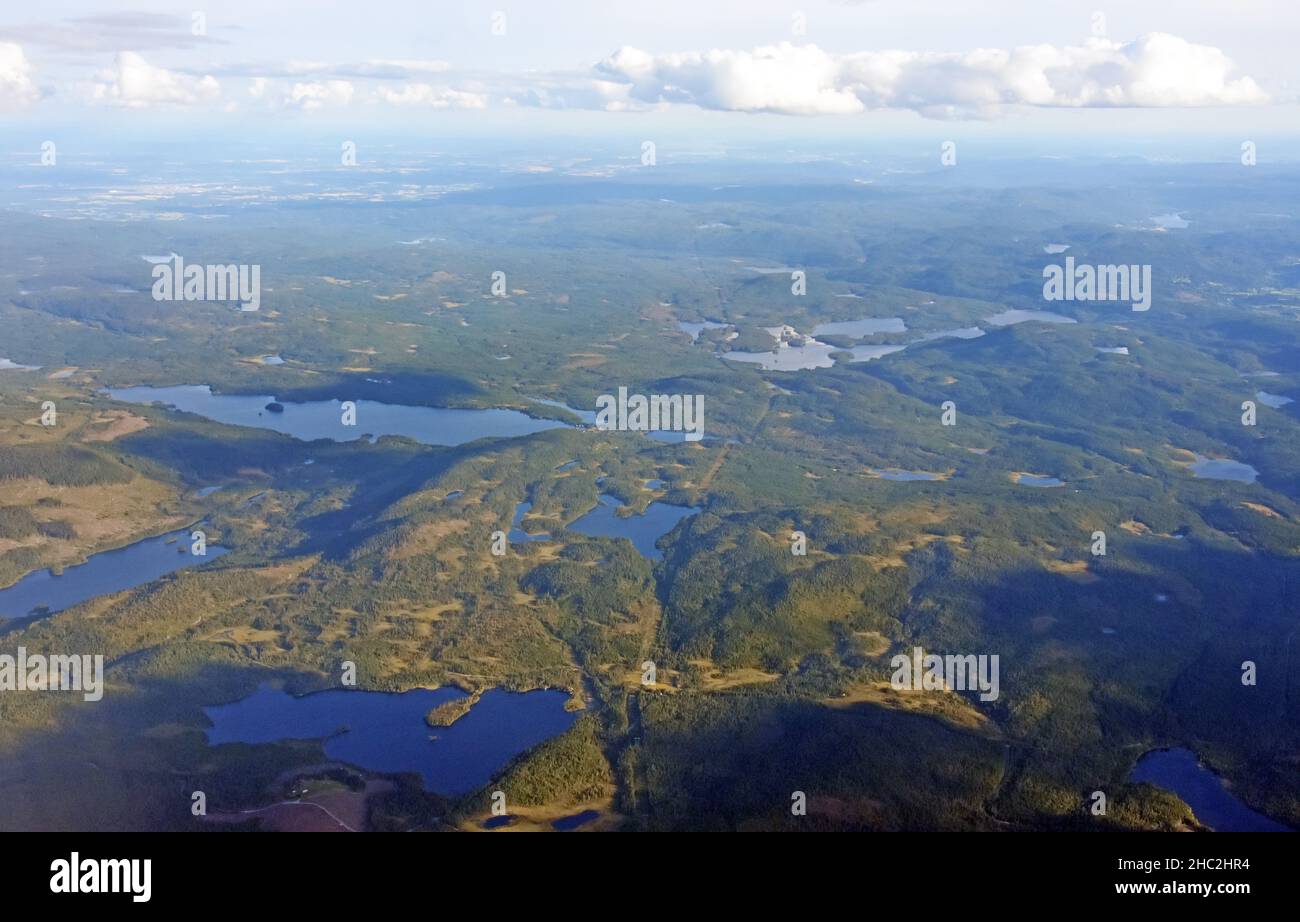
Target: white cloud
<point>423,94</point>
<point>1156,70</point>
<point>317,95</point>
<point>566,91</point>
<point>790,79</point>
<point>16,87</point>
<point>1165,70</point>
<point>135,83</point>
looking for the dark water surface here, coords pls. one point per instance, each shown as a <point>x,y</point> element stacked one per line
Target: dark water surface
<point>386,732</point>
<point>110,571</point>
<point>642,530</point>
<point>1180,771</point>
<point>322,419</point>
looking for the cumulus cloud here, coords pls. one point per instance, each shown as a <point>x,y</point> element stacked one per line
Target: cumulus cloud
<point>567,91</point>
<point>1155,70</point>
<point>319,94</point>
<point>16,87</point>
<point>135,83</point>
<point>786,78</point>
<point>434,97</point>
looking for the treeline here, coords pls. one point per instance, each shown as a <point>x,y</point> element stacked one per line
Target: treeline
<point>61,465</point>
<point>736,761</point>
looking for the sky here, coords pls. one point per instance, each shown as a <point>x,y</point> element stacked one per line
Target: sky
<point>802,68</point>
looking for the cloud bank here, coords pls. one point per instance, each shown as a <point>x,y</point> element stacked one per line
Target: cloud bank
<point>1155,70</point>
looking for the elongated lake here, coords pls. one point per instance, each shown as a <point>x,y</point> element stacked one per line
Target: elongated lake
<point>1180,771</point>
<point>322,419</point>
<point>1038,480</point>
<point>1011,317</point>
<point>385,732</point>
<point>904,476</point>
<point>517,534</point>
<point>110,571</point>
<point>813,353</point>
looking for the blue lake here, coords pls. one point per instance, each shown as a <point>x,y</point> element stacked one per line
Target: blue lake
<point>1222,469</point>
<point>811,352</point>
<point>694,329</point>
<point>902,475</point>
<point>569,823</point>
<point>957,333</point>
<point>857,329</point>
<point>1180,771</point>
<point>642,530</point>
<point>868,353</point>
<point>1272,400</point>
<point>111,571</point>
<point>1010,317</point>
<point>1034,480</point>
<point>384,732</point>
<point>322,419</point>
<point>517,534</point>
